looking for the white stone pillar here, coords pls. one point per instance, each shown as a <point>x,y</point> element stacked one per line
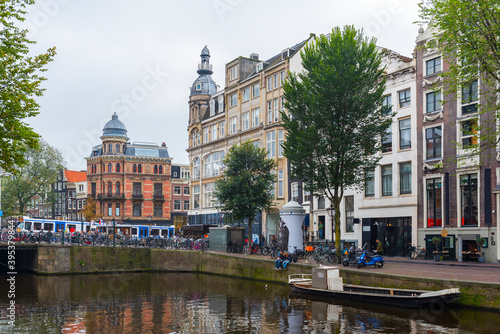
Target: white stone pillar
<point>293,215</point>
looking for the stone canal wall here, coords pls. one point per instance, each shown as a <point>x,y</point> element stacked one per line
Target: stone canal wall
<point>77,260</point>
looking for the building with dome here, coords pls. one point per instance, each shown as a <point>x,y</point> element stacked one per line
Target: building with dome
<point>130,182</point>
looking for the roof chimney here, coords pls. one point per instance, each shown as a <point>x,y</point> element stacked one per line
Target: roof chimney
<point>254,56</point>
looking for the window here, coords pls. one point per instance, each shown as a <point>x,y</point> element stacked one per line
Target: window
<point>281,134</point>
<point>434,210</point>
<point>212,107</point>
<point>233,73</point>
<point>155,169</point>
<point>276,109</point>
<point>469,132</point>
<point>387,140</point>
<point>433,101</point>
<point>405,178</point>
<point>276,80</point>
<point>213,164</point>
<point>433,66</point>
<point>213,132</point>
<point>177,205</point>
<point>110,189</point>
<point>269,112</point>
<point>177,190</point>
<point>405,98</point>
<point>136,188</point>
<point>206,134</point>
<point>233,100</point>
<point>158,189</point>
<point>245,94</point>
<point>295,191</point>
<point>117,148</point>
<point>255,117</point>
<point>160,169</point>
<point>321,203</point>
<point>470,97</point>
<point>280,183</point>
<point>186,205</point>
<point>221,104</point>
<point>222,129</point>
<point>386,180</point>
<point>118,167</point>
<point>469,199</point>
<point>307,195</point>
<point>186,191</point>
<point>196,169</point>
<point>369,184</point>
<point>208,195</point>
<point>139,168</point>
<point>271,143</point>
<point>117,209</point>
<point>269,85</point>
<point>136,209</point>
<point>245,121</point>
<point>349,214</point>
<point>232,125</point>
<point>256,90</point>
<point>433,142</point>
<point>110,209</point>
<point>118,188</point>
<point>282,77</point>
<point>387,105</point>
<point>158,210</point>
<point>110,167</point>
<point>110,149</point>
<point>196,197</point>
<point>405,133</point>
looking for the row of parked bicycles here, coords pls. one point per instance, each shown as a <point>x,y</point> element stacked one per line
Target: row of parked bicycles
<point>101,239</point>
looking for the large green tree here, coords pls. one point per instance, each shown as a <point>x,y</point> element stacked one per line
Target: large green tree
<point>31,179</point>
<point>467,33</point>
<point>334,120</point>
<point>245,187</point>
<point>19,85</point>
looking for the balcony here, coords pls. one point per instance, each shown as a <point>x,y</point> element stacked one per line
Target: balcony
<point>138,196</point>
<point>158,197</point>
<point>111,196</point>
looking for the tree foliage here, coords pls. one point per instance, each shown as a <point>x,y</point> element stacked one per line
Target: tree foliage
<point>89,211</point>
<point>32,179</point>
<point>246,184</point>
<point>19,85</point>
<point>467,33</point>
<point>334,119</point>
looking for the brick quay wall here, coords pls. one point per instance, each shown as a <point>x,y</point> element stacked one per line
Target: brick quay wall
<point>59,259</point>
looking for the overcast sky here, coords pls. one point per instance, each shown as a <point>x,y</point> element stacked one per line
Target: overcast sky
<point>139,58</point>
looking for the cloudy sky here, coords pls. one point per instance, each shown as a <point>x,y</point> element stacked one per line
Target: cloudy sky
<point>139,58</point>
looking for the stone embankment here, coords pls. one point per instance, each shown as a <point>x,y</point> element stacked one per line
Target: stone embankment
<point>78,260</point>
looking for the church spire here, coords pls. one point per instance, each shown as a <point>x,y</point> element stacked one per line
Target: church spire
<point>204,68</point>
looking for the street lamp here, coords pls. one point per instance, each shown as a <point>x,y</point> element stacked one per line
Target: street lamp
<point>331,210</point>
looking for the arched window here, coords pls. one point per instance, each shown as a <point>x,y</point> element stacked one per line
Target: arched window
<point>155,169</point>
<point>196,169</point>
<point>118,167</point>
<point>134,168</point>
<point>124,149</point>
<point>110,167</point>
<point>160,169</point>
<point>110,148</point>
<point>117,189</point>
<point>139,168</point>
<point>110,189</point>
<point>117,148</point>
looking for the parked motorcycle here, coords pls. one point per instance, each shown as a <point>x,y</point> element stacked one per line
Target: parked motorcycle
<point>351,256</point>
<point>366,260</point>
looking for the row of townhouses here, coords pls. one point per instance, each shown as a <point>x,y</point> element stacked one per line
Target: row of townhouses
<point>411,197</point>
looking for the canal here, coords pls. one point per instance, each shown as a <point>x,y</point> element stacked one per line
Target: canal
<point>197,303</point>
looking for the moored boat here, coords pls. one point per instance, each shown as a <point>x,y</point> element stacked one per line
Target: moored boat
<point>326,282</point>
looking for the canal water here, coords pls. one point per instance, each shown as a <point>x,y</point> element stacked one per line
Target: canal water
<point>196,303</point>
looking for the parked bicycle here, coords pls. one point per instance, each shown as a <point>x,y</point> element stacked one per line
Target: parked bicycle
<point>252,249</point>
<point>418,252</point>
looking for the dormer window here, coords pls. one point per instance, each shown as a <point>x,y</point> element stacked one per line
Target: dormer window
<point>260,67</point>
<point>285,53</point>
<point>198,86</point>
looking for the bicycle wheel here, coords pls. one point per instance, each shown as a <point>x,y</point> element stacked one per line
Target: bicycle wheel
<point>425,254</point>
<point>258,250</point>
<point>265,250</point>
<point>411,254</point>
<point>334,258</point>
<point>247,250</point>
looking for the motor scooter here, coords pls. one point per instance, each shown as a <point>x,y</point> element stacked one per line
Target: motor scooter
<point>365,260</point>
<point>351,256</point>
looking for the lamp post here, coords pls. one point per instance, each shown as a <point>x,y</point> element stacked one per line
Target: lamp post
<point>149,220</point>
<point>114,232</point>
<point>331,210</point>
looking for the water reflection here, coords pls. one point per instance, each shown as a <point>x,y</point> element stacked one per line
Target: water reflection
<point>192,303</point>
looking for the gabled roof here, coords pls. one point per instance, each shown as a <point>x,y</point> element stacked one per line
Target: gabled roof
<point>75,176</point>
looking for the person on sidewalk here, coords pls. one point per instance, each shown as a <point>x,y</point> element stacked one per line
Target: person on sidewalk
<point>279,261</point>
<point>287,259</point>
